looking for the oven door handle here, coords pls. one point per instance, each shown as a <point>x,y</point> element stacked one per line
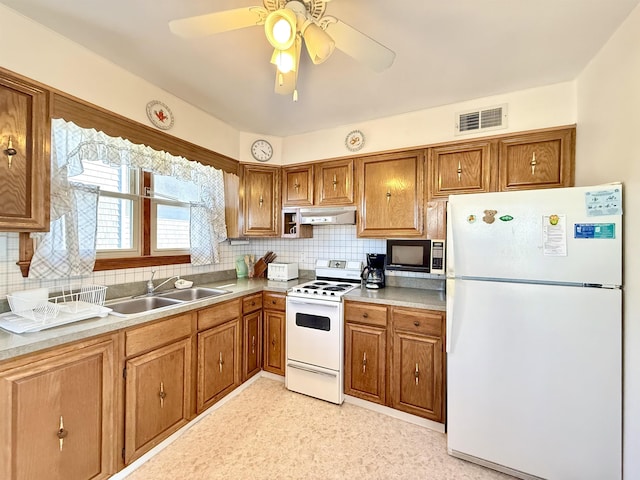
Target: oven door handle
<point>310,370</point>
<point>323,304</point>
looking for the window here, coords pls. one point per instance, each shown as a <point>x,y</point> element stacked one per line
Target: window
<point>122,211</point>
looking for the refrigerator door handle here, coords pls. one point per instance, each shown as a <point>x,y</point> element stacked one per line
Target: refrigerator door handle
<point>449,321</point>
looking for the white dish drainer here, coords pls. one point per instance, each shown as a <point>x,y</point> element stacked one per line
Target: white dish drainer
<point>33,310</point>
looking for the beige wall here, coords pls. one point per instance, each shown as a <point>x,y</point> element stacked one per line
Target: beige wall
<point>38,53</point>
<point>608,99</point>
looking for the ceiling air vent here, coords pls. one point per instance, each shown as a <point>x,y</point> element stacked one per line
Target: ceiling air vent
<point>492,118</point>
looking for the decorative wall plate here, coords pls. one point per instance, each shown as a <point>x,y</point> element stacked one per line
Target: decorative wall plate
<point>160,115</point>
<point>354,140</point>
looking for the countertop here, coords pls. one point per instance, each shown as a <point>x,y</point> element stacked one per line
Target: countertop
<point>14,345</point>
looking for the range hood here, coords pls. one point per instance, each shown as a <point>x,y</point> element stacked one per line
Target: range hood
<point>328,216</point>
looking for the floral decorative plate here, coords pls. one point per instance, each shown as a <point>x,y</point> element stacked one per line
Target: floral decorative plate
<point>160,115</point>
<point>354,140</point>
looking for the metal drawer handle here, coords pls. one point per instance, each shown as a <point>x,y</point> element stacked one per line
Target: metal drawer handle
<point>459,171</point>
<point>364,362</point>
<point>62,433</point>
<point>253,344</point>
<point>416,323</point>
<point>273,342</point>
<point>365,315</point>
<point>220,362</point>
<point>417,374</point>
<point>162,394</point>
<point>533,164</point>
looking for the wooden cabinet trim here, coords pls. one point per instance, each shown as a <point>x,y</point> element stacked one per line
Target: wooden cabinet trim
<point>298,185</point>
<point>334,183</point>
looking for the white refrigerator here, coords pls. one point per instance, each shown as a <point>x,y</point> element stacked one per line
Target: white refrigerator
<point>534,331</point>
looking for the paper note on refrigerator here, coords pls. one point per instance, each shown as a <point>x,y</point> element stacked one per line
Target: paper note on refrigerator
<point>603,202</point>
<point>554,235</point>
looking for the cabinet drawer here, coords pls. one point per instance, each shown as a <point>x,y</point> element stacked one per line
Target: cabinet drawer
<point>157,334</point>
<point>366,313</point>
<point>274,301</point>
<point>425,322</point>
<point>218,314</point>
<point>252,303</point>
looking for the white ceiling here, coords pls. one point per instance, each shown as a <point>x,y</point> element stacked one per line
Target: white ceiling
<point>447,51</point>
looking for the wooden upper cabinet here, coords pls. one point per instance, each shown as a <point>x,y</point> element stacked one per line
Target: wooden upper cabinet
<point>334,183</point>
<point>460,168</point>
<point>24,189</point>
<point>261,203</point>
<point>391,195</point>
<point>542,159</point>
<point>297,186</point>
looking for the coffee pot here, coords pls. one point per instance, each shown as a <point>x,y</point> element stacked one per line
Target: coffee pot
<point>373,273</point>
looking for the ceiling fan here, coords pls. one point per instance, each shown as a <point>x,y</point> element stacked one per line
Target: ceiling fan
<point>287,23</point>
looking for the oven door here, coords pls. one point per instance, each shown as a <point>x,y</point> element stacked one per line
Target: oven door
<point>314,332</point>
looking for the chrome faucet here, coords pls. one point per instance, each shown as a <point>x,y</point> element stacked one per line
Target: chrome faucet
<point>151,288</point>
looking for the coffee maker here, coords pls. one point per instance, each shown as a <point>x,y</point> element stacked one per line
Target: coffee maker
<point>373,273</point>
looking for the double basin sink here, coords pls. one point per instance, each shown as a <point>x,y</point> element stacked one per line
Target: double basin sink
<point>166,299</point>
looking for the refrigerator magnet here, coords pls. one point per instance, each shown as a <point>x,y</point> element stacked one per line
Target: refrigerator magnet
<point>554,235</point>
<point>489,216</point>
<point>471,219</point>
<point>506,218</point>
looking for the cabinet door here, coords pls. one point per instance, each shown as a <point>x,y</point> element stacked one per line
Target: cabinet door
<point>297,186</point>
<point>417,375</point>
<point>462,168</point>
<point>218,363</point>
<point>365,366</point>
<point>261,205</point>
<point>334,183</point>
<point>537,160</point>
<point>57,416</point>
<point>24,189</point>
<point>274,337</point>
<point>392,195</point>
<point>252,358</point>
<point>157,396</point>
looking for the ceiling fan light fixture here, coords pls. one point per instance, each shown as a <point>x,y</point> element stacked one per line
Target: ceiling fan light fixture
<point>280,28</point>
<point>319,44</point>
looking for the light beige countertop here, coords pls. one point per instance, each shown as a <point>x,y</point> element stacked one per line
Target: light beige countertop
<point>400,297</point>
<point>14,345</point>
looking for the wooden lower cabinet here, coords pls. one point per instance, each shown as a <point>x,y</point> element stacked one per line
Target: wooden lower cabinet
<point>218,363</point>
<point>158,397</point>
<point>57,417</point>
<point>274,332</point>
<point>417,363</point>
<point>394,356</point>
<point>365,366</point>
<point>252,343</point>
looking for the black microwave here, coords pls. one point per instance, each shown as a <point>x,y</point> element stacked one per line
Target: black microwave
<point>416,256</point>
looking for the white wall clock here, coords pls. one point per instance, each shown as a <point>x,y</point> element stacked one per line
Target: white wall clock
<point>262,150</point>
<point>160,115</point>
<point>354,140</point>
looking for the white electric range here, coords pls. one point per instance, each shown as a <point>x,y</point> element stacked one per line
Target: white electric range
<point>315,330</point>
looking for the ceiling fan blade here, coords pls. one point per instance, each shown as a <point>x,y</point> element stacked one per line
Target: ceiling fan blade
<point>356,44</point>
<point>218,22</point>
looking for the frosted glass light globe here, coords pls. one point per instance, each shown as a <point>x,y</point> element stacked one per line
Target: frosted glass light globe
<point>282,31</point>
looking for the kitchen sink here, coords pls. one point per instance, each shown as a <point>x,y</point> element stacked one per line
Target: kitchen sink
<point>190,294</point>
<point>139,305</point>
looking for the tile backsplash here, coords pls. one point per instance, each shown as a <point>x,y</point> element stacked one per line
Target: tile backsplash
<point>328,242</point>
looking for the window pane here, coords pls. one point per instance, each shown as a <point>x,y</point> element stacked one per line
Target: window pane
<point>115,223</point>
<point>111,179</point>
<point>172,226</point>
<point>172,188</point>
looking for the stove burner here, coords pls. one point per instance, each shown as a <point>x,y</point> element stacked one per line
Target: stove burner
<point>312,287</point>
<point>320,283</point>
<point>345,285</point>
<point>334,289</point>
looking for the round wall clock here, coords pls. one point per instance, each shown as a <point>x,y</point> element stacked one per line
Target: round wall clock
<point>354,140</point>
<point>160,115</point>
<point>262,150</point>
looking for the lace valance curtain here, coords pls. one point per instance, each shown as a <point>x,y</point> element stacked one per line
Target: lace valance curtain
<point>59,254</point>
